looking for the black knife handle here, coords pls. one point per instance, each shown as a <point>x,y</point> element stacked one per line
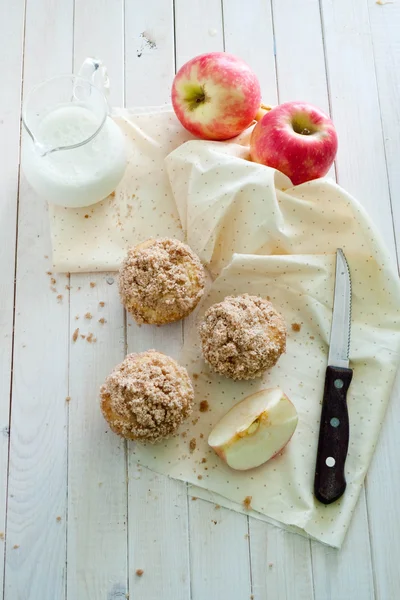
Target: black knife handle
<point>330,482</point>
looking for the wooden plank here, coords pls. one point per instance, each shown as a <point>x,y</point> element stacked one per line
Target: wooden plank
<point>219,553</point>
<point>199,29</point>
<point>158,514</point>
<point>35,551</point>
<point>12,34</point>
<point>362,171</point>
<point>384,24</point>
<point>268,545</point>
<point>355,108</point>
<point>346,573</point>
<point>254,23</point>
<point>219,557</point>
<point>308,81</point>
<point>280,562</point>
<point>97,512</point>
<point>382,487</point>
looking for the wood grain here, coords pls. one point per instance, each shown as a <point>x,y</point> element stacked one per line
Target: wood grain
<point>12,34</point>
<point>97,486</point>
<point>35,551</point>
<point>156,503</point>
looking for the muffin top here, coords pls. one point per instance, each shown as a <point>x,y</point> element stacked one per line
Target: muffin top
<point>242,336</point>
<point>147,396</point>
<point>161,281</point>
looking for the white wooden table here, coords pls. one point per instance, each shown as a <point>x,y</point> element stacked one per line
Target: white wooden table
<point>77,517</point>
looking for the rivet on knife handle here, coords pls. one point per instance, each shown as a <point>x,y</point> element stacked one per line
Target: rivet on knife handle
<point>330,482</point>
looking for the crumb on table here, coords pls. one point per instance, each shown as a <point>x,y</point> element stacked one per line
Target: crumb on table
<point>102,304</point>
<point>59,297</point>
<point>91,339</point>
<point>68,399</point>
<point>202,435</point>
<point>75,335</point>
<point>139,572</point>
<point>58,519</point>
<point>192,445</point>
<point>184,434</point>
<point>102,321</point>
<point>92,284</point>
<point>88,316</point>
<point>194,497</point>
<point>203,460</point>
<point>217,506</point>
<point>312,337</point>
<point>204,406</point>
<point>199,476</point>
<point>296,327</point>
<point>16,546</point>
<point>53,281</point>
<point>1,535</point>
<point>195,375</point>
<point>247,502</point>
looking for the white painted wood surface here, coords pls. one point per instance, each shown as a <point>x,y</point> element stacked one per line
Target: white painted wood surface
<point>78,516</point>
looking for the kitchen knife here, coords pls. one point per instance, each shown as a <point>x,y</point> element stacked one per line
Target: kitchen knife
<point>330,482</point>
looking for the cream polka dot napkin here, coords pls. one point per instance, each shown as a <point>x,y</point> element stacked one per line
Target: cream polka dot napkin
<point>256,234</point>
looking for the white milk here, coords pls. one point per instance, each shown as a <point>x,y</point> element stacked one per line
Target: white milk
<point>80,176</point>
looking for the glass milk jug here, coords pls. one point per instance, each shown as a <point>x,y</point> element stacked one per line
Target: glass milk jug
<point>73,153</point>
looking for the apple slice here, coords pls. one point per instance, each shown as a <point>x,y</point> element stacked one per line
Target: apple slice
<point>254,430</point>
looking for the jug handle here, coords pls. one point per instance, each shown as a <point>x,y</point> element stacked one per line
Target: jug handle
<point>95,71</point>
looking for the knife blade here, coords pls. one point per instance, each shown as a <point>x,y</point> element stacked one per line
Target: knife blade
<point>330,481</point>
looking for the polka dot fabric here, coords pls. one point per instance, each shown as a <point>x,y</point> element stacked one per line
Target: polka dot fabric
<point>256,234</point>
<point>96,238</point>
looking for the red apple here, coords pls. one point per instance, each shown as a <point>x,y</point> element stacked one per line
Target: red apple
<point>216,96</point>
<point>296,138</point>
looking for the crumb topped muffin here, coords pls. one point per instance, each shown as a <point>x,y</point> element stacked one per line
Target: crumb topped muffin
<point>242,336</point>
<point>147,397</point>
<point>161,281</point>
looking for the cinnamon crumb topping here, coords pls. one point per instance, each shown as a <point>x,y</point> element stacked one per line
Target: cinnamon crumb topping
<point>161,281</point>
<point>204,406</point>
<point>247,502</point>
<point>242,336</point>
<point>147,396</point>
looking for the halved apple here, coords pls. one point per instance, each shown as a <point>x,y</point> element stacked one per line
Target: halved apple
<point>255,429</point>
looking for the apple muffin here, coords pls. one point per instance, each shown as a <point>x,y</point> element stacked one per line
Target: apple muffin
<point>147,397</point>
<point>242,336</point>
<point>161,281</point>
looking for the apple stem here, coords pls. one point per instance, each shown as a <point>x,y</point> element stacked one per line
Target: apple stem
<point>264,108</point>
